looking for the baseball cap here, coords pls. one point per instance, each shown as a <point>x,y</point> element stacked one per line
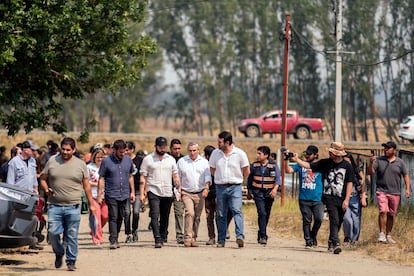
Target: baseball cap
<point>160,141</point>
<point>28,144</point>
<point>389,144</point>
<point>311,149</point>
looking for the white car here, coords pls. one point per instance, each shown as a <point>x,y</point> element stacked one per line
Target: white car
<point>407,129</point>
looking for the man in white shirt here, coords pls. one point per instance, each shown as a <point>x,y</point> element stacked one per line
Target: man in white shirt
<point>229,165</point>
<point>195,177</point>
<point>158,171</point>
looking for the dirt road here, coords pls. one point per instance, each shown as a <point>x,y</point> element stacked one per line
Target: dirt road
<point>279,257</point>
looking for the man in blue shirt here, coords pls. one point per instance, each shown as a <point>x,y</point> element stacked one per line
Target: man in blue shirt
<point>116,174</point>
<point>22,168</point>
<point>310,196</point>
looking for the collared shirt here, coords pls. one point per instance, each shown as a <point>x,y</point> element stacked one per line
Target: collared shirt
<point>389,175</point>
<point>194,174</point>
<point>159,174</point>
<point>228,169</point>
<point>22,173</point>
<point>116,173</point>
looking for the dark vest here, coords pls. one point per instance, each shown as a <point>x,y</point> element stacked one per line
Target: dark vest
<point>265,180</point>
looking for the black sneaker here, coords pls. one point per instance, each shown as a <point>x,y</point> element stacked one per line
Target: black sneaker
<point>135,236</point>
<point>71,265</point>
<point>263,241</point>
<point>113,245</point>
<point>180,241</point>
<point>158,245</point>
<point>337,249</point>
<point>36,247</point>
<point>58,261</point>
<point>128,239</point>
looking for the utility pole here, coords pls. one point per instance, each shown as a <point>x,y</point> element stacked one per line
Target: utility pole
<point>338,93</point>
<point>285,96</point>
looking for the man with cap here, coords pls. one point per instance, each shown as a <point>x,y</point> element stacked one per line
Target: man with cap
<point>310,196</point>
<point>337,176</point>
<point>158,172</point>
<point>389,169</point>
<point>22,168</point>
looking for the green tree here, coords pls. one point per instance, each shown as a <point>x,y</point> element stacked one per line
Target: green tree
<point>52,51</point>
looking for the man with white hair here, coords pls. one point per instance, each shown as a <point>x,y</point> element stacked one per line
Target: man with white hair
<point>195,177</point>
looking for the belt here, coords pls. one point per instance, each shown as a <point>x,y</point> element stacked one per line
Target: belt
<point>192,192</point>
<point>228,184</point>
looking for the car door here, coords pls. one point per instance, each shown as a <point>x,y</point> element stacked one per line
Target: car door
<point>272,122</point>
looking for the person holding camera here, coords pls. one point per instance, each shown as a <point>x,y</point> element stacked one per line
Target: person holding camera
<point>310,196</point>
<point>337,175</point>
<point>262,185</point>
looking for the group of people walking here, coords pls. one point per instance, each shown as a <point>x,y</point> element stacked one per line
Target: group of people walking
<point>117,181</point>
<point>338,184</point>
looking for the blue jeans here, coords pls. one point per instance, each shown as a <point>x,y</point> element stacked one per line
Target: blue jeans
<point>229,197</point>
<point>309,209</point>
<point>66,220</point>
<point>352,219</point>
<point>264,203</point>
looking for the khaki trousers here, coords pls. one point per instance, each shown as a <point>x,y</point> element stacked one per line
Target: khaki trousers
<point>193,206</point>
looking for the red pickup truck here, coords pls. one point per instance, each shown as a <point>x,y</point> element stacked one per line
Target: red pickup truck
<point>271,122</point>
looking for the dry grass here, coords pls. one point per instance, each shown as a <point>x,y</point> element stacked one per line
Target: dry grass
<point>287,221</point>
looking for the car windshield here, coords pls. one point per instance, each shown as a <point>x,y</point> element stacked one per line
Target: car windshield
<point>407,120</point>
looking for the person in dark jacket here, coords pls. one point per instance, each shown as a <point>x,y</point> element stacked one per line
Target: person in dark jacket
<point>262,185</point>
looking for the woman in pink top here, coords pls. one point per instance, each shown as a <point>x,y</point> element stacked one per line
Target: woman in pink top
<point>101,209</point>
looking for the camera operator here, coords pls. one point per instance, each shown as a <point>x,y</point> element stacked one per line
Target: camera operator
<point>310,196</point>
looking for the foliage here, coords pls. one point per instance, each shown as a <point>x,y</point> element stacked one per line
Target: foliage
<point>223,50</point>
<point>54,51</point>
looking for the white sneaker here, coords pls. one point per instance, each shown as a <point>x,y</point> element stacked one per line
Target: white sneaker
<point>381,237</point>
<point>390,239</point>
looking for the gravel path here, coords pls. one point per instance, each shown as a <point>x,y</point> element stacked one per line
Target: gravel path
<point>279,257</point>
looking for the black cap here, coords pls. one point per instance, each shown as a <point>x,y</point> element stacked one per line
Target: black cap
<point>28,144</point>
<point>389,144</point>
<point>160,141</point>
<point>311,150</point>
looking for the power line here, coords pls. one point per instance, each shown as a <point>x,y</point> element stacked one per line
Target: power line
<point>325,54</point>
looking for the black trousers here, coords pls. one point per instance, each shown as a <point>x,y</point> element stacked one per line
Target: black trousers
<point>160,208</point>
<point>116,214</point>
<point>336,217</point>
